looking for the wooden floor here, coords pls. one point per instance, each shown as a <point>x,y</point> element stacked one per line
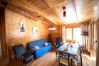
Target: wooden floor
<point>88,60</point>
<point>4,61</point>
<point>49,59</point>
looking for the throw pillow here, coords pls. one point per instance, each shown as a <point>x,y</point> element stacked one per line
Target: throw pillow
<point>45,44</point>
<point>36,47</point>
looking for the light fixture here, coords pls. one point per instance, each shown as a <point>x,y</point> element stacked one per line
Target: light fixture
<point>64,11</point>
<point>52,28</point>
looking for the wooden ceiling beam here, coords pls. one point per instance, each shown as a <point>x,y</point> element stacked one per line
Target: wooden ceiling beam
<point>51,7</point>
<point>27,13</point>
<point>23,11</point>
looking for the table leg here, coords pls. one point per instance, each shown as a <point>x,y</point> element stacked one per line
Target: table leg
<point>71,62</point>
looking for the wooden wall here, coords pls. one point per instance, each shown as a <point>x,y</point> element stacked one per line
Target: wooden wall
<point>55,33</point>
<point>13,34</point>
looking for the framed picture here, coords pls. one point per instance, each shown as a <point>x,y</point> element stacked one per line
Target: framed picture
<point>22,26</point>
<point>35,31</point>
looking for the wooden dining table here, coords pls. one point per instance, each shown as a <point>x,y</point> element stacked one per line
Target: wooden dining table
<point>71,50</point>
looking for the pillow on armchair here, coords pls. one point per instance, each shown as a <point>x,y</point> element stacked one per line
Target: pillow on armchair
<point>45,44</point>
<point>36,47</point>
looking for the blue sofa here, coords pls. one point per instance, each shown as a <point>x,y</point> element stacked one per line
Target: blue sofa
<point>42,49</point>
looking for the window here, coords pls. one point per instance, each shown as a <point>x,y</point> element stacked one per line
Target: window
<point>69,33</point>
<point>74,34</point>
<point>77,35</point>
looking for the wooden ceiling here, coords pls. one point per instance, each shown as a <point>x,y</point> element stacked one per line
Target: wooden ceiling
<point>76,10</point>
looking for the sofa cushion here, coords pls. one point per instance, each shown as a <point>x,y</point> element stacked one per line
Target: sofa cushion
<point>45,44</point>
<point>36,47</point>
<point>43,51</point>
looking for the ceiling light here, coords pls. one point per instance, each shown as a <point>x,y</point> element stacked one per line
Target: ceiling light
<point>64,12</point>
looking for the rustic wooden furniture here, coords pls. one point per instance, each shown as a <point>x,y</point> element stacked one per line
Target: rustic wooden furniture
<point>21,54</point>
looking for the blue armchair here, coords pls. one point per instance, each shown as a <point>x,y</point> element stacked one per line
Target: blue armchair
<point>21,54</point>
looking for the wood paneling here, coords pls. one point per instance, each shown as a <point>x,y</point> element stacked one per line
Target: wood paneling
<point>13,34</point>
<point>56,33</point>
<point>72,25</point>
<point>52,9</point>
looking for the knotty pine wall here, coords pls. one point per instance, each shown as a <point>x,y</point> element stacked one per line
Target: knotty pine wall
<point>15,37</point>
<point>56,33</point>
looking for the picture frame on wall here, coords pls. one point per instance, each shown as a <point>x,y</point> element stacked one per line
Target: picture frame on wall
<point>22,26</point>
<point>35,31</point>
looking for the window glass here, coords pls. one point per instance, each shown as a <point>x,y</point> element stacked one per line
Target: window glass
<point>69,33</point>
<point>77,35</point>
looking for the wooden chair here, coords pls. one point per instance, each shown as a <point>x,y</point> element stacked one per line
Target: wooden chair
<point>57,45</point>
<point>22,55</point>
<point>78,58</point>
<point>63,58</point>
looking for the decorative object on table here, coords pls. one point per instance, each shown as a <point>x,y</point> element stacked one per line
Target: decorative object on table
<point>22,26</point>
<point>35,31</point>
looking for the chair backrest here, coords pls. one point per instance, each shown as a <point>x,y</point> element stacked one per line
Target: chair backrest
<point>19,50</point>
<point>58,42</point>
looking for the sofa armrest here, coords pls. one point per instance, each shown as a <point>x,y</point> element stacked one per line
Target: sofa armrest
<point>30,51</point>
<point>33,49</point>
<point>51,45</point>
